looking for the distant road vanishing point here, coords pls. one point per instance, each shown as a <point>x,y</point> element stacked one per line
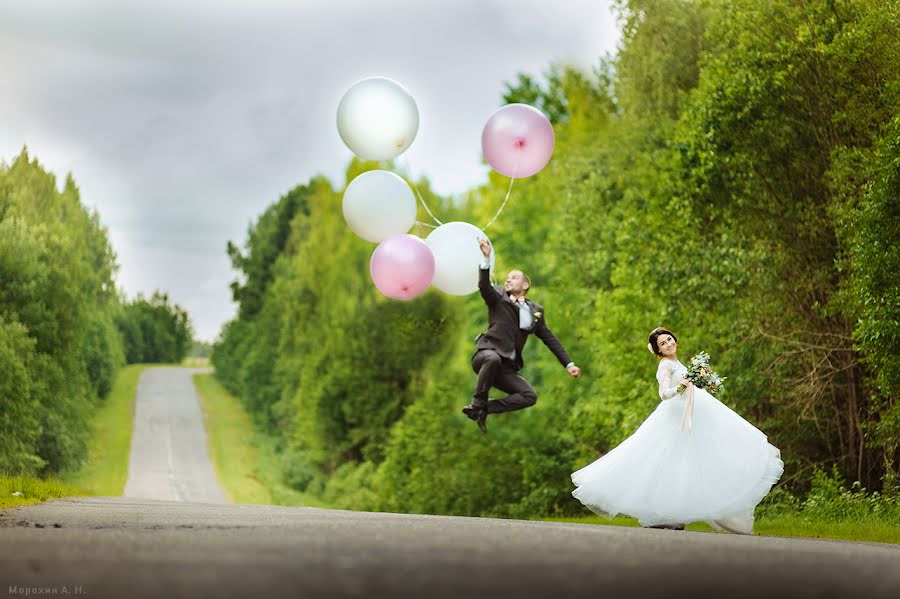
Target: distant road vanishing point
<point>175,535</point>
<point>169,458</point>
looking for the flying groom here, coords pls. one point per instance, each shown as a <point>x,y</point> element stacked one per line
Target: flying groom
<point>498,354</point>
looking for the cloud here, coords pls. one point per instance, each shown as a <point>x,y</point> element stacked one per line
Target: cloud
<point>182,121</point>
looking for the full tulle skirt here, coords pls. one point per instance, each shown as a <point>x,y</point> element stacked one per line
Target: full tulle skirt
<point>717,470</point>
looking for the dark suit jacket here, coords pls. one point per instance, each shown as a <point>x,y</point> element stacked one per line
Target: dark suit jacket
<point>504,335</point>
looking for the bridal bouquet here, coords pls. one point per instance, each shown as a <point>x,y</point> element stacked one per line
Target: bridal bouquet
<point>702,377</point>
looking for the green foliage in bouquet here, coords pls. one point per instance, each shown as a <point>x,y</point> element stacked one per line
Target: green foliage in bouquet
<point>700,374</point>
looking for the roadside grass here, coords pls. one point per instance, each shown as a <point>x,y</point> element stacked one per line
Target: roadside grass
<point>25,490</point>
<point>195,362</point>
<point>797,525</point>
<point>246,462</point>
<point>785,525</point>
<point>248,465</point>
<point>105,470</point>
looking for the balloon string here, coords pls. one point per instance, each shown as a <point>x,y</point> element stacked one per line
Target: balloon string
<point>424,204</point>
<point>431,214</point>
<point>421,199</point>
<point>506,199</point>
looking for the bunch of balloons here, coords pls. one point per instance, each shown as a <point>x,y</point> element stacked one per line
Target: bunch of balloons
<point>378,120</point>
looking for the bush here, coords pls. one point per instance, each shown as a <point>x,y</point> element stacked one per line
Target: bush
<point>18,422</point>
<point>830,499</point>
<point>298,470</point>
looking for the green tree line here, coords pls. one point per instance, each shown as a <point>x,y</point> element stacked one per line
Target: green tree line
<point>154,330</point>
<point>64,329</point>
<point>732,173</point>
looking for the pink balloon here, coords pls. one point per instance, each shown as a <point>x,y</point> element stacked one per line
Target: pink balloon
<point>402,267</point>
<point>517,140</point>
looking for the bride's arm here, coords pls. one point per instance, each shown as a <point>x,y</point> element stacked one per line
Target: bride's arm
<point>664,376</point>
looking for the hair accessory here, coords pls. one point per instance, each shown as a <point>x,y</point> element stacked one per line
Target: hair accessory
<point>650,347</point>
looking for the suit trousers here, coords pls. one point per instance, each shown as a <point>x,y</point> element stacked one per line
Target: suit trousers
<point>496,371</point>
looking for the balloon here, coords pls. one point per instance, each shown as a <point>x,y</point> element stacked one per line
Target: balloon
<point>402,267</point>
<point>378,205</point>
<point>517,140</point>
<point>377,118</point>
<point>457,257</point>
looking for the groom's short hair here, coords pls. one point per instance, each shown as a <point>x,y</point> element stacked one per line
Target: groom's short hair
<point>527,279</point>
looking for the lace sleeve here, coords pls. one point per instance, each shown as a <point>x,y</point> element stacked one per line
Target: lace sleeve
<point>664,376</point>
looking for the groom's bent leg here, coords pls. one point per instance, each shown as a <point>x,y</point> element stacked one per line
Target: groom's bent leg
<point>487,364</point>
<point>521,394</point>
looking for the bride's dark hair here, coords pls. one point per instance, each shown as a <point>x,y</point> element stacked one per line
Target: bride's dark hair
<point>654,335</point>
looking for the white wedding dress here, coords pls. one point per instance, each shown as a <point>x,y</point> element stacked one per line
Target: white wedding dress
<point>709,465</point>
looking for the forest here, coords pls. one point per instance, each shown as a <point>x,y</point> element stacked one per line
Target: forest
<point>65,328</point>
<point>732,173</point>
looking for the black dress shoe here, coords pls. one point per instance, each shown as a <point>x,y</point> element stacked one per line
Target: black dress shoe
<point>668,526</point>
<point>481,421</point>
<point>471,411</point>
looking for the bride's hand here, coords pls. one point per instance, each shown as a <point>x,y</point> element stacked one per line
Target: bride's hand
<point>685,382</point>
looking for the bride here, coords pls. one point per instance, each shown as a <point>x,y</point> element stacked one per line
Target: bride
<point>685,463</point>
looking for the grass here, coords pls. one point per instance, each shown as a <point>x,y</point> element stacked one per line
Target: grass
<point>105,471</point>
<point>247,462</point>
<point>248,465</point>
<point>789,525</point>
<point>195,362</point>
<point>617,521</point>
<point>24,490</point>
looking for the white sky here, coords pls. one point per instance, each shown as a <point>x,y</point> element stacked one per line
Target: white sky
<point>181,121</point>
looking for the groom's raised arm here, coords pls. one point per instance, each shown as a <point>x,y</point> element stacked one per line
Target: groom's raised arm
<point>491,296</point>
<point>487,290</point>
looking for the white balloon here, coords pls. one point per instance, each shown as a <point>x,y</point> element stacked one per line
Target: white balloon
<point>457,257</point>
<point>378,205</point>
<point>377,118</point>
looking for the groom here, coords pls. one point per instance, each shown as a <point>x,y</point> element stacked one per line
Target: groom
<point>498,352</point>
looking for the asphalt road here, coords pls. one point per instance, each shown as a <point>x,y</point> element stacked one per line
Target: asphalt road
<point>115,547</point>
<point>169,459</point>
<point>164,541</point>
